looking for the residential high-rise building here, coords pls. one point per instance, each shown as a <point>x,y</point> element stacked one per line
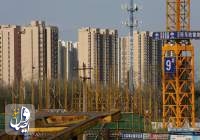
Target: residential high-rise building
<point>61,59</point>
<point>142,59</point>
<point>98,49</point>
<point>156,67</point>
<point>67,60</point>
<point>124,60</point>
<point>39,51</point>
<point>52,52</point>
<point>72,62</point>
<point>10,55</point>
<point>33,48</point>
<point>146,60</point>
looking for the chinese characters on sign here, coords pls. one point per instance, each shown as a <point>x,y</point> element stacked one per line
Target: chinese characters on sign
<point>176,35</point>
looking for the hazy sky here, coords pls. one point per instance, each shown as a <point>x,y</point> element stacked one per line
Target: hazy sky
<point>69,15</point>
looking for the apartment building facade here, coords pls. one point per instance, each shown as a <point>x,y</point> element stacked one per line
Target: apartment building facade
<point>124,60</point>
<point>146,60</point>
<point>10,54</point>
<point>39,51</point>
<point>98,49</point>
<point>52,52</point>
<point>67,61</point>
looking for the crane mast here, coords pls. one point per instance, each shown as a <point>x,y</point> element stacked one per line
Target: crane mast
<point>178,15</point>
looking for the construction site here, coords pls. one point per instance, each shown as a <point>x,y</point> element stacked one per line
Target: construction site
<point>80,109</point>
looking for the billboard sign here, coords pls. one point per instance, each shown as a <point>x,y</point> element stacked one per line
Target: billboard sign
<point>176,35</point>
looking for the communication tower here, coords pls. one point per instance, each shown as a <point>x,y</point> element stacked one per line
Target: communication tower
<point>132,23</point>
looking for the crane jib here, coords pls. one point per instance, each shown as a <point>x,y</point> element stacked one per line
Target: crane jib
<point>175,35</point>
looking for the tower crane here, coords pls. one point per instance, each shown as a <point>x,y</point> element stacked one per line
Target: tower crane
<point>178,66</point>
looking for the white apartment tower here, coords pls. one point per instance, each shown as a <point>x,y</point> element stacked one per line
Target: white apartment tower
<point>39,51</point>
<point>142,59</point>
<point>98,49</point>
<point>33,48</point>
<point>124,60</point>
<point>146,60</point>
<point>10,55</point>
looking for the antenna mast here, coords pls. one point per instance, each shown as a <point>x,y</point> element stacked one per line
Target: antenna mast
<point>131,9</point>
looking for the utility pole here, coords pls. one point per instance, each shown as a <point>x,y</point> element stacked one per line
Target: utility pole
<point>84,78</point>
<point>131,24</point>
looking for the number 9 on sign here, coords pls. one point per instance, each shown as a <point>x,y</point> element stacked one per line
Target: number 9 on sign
<point>170,65</point>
